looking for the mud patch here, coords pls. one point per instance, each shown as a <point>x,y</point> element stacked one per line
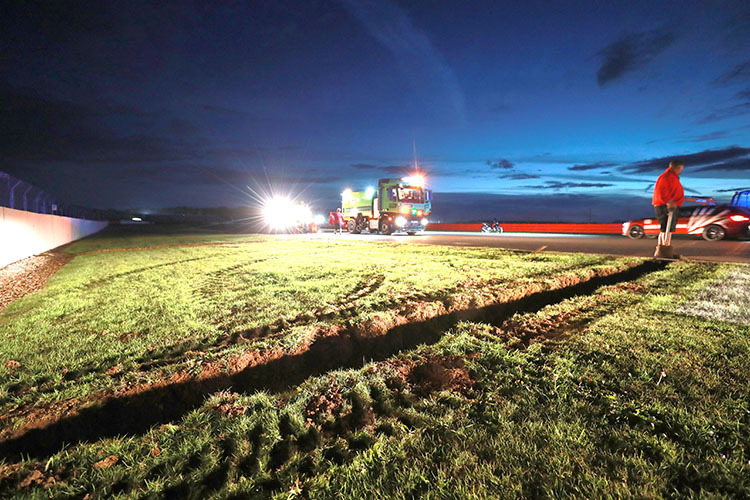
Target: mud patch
<point>37,476</point>
<point>442,373</point>
<point>327,404</point>
<point>28,275</point>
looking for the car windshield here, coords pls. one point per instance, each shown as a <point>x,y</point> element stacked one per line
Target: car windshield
<point>410,195</point>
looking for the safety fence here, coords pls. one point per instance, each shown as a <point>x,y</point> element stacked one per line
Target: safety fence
<point>20,195</point>
<point>516,227</point>
<point>34,221</point>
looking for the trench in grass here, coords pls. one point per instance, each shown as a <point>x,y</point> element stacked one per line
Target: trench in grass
<point>137,413</point>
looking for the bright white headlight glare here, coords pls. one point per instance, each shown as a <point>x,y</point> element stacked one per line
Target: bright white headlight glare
<point>303,214</point>
<point>424,222</point>
<point>279,213</point>
<point>400,221</point>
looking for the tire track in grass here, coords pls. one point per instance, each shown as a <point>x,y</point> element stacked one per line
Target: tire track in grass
<point>160,247</point>
<point>176,352</point>
<point>327,311</point>
<point>136,413</point>
<point>103,280</point>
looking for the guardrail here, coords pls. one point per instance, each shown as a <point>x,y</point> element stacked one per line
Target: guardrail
<point>517,227</point>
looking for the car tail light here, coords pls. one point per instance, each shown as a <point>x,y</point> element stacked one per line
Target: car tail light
<point>739,218</point>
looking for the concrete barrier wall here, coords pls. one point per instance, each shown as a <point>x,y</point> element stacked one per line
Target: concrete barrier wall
<point>23,234</point>
<point>535,228</point>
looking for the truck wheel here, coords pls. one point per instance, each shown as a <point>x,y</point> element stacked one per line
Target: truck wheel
<point>385,226</point>
<point>351,226</point>
<point>411,233</point>
<point>361,226</point>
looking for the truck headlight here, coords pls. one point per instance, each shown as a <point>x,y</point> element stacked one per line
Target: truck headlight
<point>400,221</point>
<point>424,221</point>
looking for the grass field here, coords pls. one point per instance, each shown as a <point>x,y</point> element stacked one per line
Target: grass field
<point>237,366</point>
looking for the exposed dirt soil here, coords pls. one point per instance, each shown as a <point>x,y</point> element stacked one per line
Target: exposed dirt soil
<point>28,275</point>
<point>440,373</point>
<point>344,347</point>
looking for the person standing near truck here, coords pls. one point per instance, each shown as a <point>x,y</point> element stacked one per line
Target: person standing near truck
<point>338,221</point>
<point>668,195</point>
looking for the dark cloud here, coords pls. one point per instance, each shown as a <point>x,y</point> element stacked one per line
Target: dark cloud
<point>650,189</point>
<point>397,170</point>
<point>630,53</point>
<point>738,164</point>
<point>59,22</point>
<point>740,72</point>
<point>743,94</point>
<point>36,127</point>
<point>710,136</point>
<point>42,128</point>
<point>502,163</point>
<point>518,177</point>
<point>566,185</point>
<point>592,166</point>
<point>707,157</point>
<point>724,113</point>
<point>187,173</point>
<point>543,207</point>
<point>200,174</point>
<point>733,190</point>
<point>221,110</point>
<point>180,126</point>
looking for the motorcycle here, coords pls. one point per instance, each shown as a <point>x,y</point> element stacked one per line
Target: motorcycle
<point>493,227</point>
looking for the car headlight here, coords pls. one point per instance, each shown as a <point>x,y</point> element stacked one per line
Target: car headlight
<point>424,222</point>
<point>400,221</point>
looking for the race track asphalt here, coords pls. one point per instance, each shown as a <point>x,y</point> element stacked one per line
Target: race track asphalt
<point>687,247</point>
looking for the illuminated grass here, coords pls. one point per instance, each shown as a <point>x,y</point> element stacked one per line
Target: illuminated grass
<point>125,311</point>
<point>725,299</point>
<point>618,393</point>
<point>120,237</point>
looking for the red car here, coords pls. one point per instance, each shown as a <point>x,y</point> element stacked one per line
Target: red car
<point>712,222</point>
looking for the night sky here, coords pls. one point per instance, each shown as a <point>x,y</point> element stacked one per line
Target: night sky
<point>520,110</point>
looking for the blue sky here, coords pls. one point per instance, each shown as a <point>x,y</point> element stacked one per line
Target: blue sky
<point>536,110</point>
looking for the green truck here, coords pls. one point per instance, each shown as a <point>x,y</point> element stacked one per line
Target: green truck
<point>397,205</point>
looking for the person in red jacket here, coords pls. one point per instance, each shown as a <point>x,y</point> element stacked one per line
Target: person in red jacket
<point>668,195</point>
<point>337,220</point>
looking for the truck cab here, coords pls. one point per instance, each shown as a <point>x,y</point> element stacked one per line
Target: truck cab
<point>397,205</point>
